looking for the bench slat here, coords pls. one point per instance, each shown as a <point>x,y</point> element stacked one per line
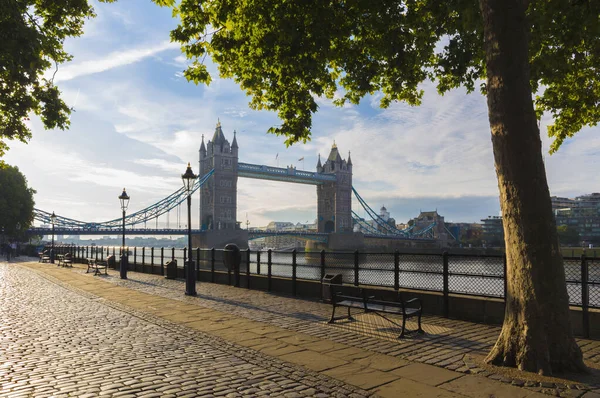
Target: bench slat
<point>393,309</point>
<point>351,303</point>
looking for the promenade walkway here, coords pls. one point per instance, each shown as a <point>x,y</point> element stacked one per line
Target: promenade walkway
<point>67,333</point>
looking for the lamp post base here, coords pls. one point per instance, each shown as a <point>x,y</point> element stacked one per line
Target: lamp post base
<point>190,278</point>
<point>123,267</point>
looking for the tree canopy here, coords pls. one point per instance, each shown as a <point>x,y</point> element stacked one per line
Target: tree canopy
<point>32,33</point>
<point>16,202</point>
<point>286,53</point>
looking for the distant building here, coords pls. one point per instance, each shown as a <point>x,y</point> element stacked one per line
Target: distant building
<point>493,231</point>
<point>561,203</point>
<point>465,233</point>
<point>284,241</point>
<point>370,226</point>
<point>430,224</point>
<point>583,214</point>
<point>278,225</point>
<point>384,214</point>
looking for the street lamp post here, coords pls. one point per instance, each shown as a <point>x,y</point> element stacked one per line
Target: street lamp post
<point>52,220</point>
<point>190,276</point>
<point>124,198</point>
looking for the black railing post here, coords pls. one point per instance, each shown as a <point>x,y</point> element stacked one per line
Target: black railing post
<point>248,268</point>
<point>96,253</point>
<point>151,259</point>
<point>585,297</point>
<point>269,268</point>
<point>143,258</point>
<point>162,261</point>
<point>184,260</point>
<point>322,264</point>
<point>258,262</point>
<point>396,270</point>
<point>356,268</point>
<point>505,279</point>
<point>114,252</point>
<point>197,263</point>
<point>212,265</point>
<point>446,288</point>
<point>172,253</point>
<point>135,258</point>
<point>294,272</point>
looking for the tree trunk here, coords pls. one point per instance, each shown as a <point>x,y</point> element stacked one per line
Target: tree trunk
<point>536,335</point>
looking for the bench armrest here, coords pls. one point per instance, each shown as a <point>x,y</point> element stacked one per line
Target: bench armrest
<point>414,300</point>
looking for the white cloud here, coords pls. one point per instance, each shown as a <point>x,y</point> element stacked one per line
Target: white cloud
<point>171,167</point>
<point>112,60</point>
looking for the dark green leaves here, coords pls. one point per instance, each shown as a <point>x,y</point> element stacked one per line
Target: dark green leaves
<point>283,54</point>
<point>16,201</point>
<point>32,33</point>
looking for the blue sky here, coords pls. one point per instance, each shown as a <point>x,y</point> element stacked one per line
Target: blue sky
<point>138,122</point>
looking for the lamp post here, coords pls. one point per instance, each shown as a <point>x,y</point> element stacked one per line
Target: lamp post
<point>190,276</point>
<point>124,198</point>
<point>52,219</point>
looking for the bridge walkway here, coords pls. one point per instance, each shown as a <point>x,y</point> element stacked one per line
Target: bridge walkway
<point>364,355</point>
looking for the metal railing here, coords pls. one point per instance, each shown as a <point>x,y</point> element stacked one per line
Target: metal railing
<point>447,273</point>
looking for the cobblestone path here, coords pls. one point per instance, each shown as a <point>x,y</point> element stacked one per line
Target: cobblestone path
<point>59,342</point>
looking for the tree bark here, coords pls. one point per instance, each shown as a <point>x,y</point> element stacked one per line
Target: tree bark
<point>536,335</point>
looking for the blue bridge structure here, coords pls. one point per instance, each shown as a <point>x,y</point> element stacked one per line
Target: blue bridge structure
<point>217,188</point>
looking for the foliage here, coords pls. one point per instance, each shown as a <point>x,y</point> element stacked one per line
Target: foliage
<point>16,202</point>
<point>285,54</point>
<point>32,33</point>
<point>568,235</point>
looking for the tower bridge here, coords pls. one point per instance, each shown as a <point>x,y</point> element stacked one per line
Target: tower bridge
<point>218,196</point>
<point>217,186</point>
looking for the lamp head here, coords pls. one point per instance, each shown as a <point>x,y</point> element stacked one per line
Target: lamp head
<point>188,178</point>
<point>124,198</point>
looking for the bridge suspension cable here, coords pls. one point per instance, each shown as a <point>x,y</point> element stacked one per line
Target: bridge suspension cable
<point>389,229</point>
<point>139,217</point>
<point>364,224</point>
<point>386,229</point>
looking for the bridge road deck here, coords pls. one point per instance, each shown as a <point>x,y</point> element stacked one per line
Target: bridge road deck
<point>286,330</point>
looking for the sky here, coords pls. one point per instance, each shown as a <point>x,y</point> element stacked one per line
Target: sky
<point>137,122</point>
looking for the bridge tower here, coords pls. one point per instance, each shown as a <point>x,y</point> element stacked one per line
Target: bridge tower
<point>218,196</point>
<point>334,199</point>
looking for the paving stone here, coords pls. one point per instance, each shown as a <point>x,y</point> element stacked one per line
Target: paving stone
<point>365,378</point>
<point>426,374</point>
<point>413,389</point>
<point>477,387</point>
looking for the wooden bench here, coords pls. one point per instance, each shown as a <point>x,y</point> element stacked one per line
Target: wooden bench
<point>64,260</point>
<point>378,307</point>
<point>96,265</point>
